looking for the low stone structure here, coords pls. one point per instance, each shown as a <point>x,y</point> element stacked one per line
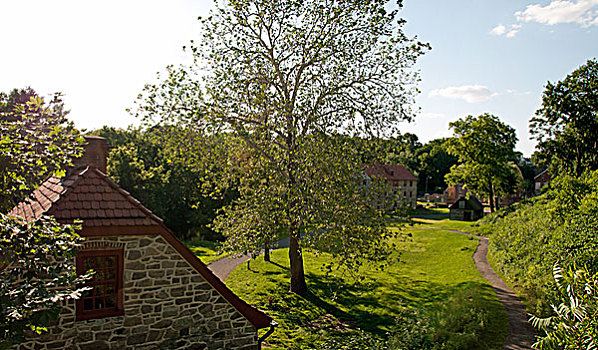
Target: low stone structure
<point>466,209</point>
<point>149,291</point>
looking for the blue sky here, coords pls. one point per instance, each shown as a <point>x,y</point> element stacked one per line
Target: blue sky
<point>487,56</point>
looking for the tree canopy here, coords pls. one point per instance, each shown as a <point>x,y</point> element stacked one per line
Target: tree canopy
<point>36,258</point>
<point>566,126</point>
<point>141,162</point>
<point>485,148</point>
<point>433,163</point>
<point>36,141</point>
<point>282,77</point>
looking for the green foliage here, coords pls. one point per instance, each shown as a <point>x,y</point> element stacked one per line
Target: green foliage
<point>484,147</point>
<point>144,164</point>
<point>459,323</point>
<point>398,149</point>
<point>566,126</point>
<point>575,321</point>
<point>206,251</point>
<point>560,227</point>
<point>434,162</point>
<point>36,259</point>
<point>36,141</point>
<point>291,76</point>
<point>36,274</point>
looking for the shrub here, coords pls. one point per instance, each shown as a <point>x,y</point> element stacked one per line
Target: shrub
<point>575,323</point>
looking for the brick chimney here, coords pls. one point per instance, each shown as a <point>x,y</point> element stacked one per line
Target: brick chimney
<point>94,154</point>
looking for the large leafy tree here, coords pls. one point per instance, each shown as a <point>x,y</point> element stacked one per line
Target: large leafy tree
<point>485,148</point>
<point>434,162</point>
<point>566,126</point>
<point>283,76</point>
<point>36,258</point>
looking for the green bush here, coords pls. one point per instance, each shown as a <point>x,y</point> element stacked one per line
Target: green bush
<point>561,227</point>
<point>575,323</point>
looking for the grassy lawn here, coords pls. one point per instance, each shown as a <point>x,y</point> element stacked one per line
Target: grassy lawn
<point>444,224</point>
<point>206,251</point>
<point>434,265</point>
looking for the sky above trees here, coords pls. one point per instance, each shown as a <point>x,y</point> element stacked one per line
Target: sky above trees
<point>487,56</point>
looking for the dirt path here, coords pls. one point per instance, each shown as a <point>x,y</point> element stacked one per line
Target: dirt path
<point>223,267</point>
<point>520,333</point>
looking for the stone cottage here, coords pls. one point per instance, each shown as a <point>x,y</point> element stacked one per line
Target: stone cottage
<point>149,290</point>
<point>401,180</point>
<point>466,209</point>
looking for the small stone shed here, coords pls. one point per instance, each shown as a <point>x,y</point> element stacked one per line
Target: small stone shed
<point>466,209</point>
<point>149,291</point>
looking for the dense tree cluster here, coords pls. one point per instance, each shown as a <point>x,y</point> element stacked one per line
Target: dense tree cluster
<point>143,163</point>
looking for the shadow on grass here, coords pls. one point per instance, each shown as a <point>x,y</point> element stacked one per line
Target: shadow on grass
<point>373,307</point>
<point>277,264</point>
<point>335,305</point>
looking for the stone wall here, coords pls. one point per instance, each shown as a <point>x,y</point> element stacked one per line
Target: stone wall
<point>167,305</point>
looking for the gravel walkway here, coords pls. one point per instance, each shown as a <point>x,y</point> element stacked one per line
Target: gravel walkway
<point>520,334</point>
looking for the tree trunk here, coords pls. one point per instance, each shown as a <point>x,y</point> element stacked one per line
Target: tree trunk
<point>491,199</point>
<point>298,284</point>
<point>267,250</point>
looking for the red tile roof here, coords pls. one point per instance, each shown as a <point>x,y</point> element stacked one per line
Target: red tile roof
<point>108,210</point>
<point>389,171</point>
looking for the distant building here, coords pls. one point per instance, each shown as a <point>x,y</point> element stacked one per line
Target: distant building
<point>541,180</point>
<point>435,197</point>
<point>453,193</point>
<point>403,182</point>
<point>466,209</point>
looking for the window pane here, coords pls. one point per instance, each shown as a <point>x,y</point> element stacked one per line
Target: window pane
<point>99,290</point>
<point>87,293</point>
<point>110,261</point>
<point>109,274</point>
<point>110,289</point>
<point>103,297</point>
<point>88,264</point>
<point>87,304</point>
<point>109,301</point>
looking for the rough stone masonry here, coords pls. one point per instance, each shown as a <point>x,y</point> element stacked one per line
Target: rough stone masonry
<point>167,305</point>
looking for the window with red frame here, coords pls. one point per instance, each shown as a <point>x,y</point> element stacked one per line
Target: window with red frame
<point>105,295</point>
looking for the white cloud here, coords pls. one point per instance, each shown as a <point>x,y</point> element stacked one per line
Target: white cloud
<point>468,93</point>
<point>498,30</point>
<point>509,31</point>
<point>583,12</point>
